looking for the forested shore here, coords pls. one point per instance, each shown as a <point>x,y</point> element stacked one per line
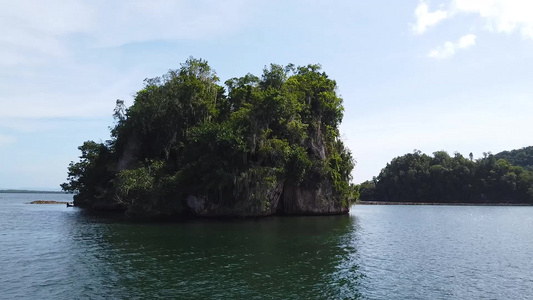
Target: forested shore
<point>441,178</point>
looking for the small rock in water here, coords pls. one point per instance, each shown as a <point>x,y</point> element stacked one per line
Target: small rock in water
<point>48,202</point>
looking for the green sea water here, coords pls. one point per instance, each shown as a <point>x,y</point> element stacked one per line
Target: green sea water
<point>376,252</point>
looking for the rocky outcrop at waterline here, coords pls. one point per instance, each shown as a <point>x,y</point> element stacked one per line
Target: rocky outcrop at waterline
<point>51,202</point>
<point>257,202</point>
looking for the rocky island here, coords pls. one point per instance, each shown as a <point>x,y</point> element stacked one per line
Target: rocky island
<point>187,146</point>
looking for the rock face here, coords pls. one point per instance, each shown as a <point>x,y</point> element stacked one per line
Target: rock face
<point>99,204</point>
<point>260,197</point>
<point>276,200</point>
<point>256,202</point>
<point>306,201</point>
<point>316,200</point>
<point>253,195</point>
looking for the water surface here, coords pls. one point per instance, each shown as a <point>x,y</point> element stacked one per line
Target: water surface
<point>51,251</point>
<point>445,252</point>
<point>376,252</point>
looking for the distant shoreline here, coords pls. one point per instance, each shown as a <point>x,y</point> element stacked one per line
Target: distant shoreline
<point>439,203</point>
<point>30,192</point>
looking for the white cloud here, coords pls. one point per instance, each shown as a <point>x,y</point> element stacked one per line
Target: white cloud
<point>466,41</point>
<point>65,104</point>
<point>507,16</point>
<point>41,42</point>
<point>68,90</point>
<point>32,31</point>
<point>43,74</point>
<point>445,51</point>
<point>126,21</point>
<point>449,48</point>
<point>501,15</point>
<point>425,18</point>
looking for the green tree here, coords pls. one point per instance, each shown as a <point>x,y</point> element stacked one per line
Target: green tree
<point>444,179</point>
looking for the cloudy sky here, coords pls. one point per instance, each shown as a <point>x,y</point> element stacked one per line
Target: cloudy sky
<point>428,75</point>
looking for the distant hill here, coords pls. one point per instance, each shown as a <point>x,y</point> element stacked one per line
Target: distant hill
<point>520,157</point>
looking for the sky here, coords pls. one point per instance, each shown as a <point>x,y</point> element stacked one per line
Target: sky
<point>427,75</point>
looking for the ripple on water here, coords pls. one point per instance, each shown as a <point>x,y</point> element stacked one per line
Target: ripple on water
<point>379,252</point>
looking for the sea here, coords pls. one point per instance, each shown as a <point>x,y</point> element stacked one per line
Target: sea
<point>50,251</point>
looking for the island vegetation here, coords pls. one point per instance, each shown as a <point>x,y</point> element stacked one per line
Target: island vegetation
<point>441,178</point>
<point>519,157</point>
<point>256,146</point>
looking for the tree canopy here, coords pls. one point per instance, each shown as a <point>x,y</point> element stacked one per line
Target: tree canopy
<point>441,178</point>
<point>187,135</point>
<point>520,157</point>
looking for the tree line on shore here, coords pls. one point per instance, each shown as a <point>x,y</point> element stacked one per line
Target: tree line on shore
<point>441,178</point>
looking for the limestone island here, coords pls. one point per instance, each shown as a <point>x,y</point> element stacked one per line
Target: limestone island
<point>187,146</point>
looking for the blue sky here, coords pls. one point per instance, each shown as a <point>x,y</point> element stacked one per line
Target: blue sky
<point>428,75</point>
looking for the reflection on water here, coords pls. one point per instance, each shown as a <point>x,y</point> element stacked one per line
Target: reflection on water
<point>55,252</point>
<point>275,257</point>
